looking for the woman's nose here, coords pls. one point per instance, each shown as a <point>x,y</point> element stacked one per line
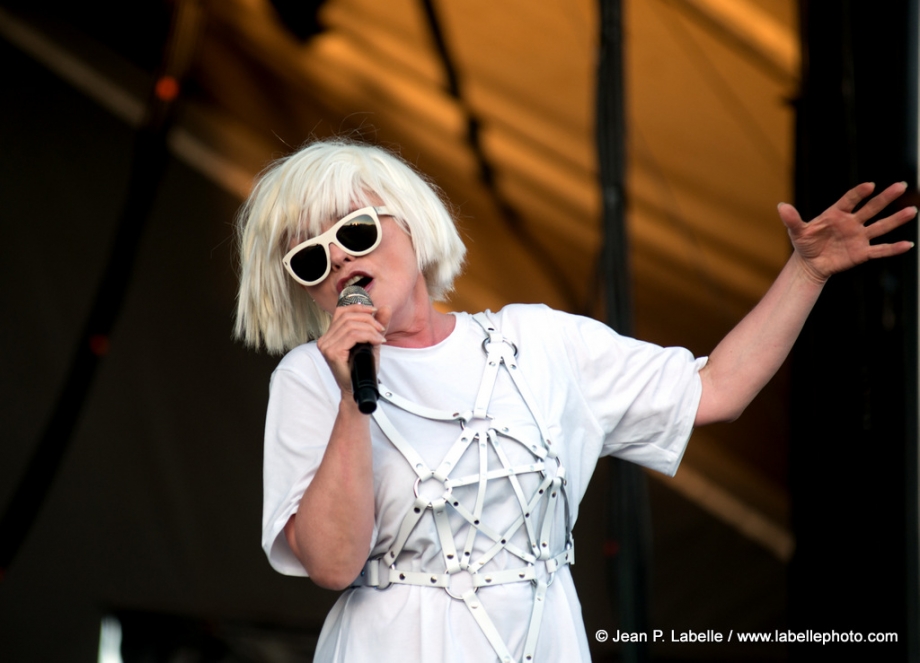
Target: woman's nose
<point>337,256</point>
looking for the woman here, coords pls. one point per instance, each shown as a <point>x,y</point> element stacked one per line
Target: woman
<point>449,512</point>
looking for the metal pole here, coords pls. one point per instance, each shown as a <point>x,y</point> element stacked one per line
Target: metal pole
<point>628,527</point>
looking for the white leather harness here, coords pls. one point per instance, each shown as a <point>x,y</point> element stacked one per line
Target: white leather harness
<point>463,576</point>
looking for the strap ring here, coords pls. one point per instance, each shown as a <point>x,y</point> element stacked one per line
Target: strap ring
<point>487,340</point>
<point>459,597</point>
<point>418,481</point>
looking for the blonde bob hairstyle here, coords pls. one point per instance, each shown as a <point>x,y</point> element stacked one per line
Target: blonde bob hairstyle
<point>295,197</point>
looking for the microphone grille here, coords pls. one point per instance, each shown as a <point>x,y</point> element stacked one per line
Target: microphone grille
<point>354,294</point>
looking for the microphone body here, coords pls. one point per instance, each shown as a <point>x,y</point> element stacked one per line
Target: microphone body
<point>363,371</point>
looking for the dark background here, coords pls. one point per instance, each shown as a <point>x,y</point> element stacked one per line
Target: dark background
<point>154,515</point>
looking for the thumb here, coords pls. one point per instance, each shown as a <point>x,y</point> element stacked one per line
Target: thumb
<point>789,215</point>
<point>383,315</point>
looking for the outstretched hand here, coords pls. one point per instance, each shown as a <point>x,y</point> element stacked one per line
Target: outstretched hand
<point>839,238</point>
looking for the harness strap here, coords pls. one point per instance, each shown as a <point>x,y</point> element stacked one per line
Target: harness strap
<point>408,524</point>
<point>488,628</point>
<point>409,453</point>
<point>567,556</point>
<point>420,410</point>
<point>497,473</point>
<point>495,338</point>
<point>536,618</point>
<point>499,348</point>
<point>371,577</point>
<point>515,484</point>
<point>463,575</point>
<point>496,349</point>
<point>446,537</point>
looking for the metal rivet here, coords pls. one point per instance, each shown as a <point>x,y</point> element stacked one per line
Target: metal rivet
<point>417,510</point>
<point>451,557</point>
<point>434,579</point>
<point>388,394</point>
<point>402,576</point>
<point>488,579</point>
<point>475,522</point>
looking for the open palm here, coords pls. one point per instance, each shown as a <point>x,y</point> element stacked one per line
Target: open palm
<point>839,238</point>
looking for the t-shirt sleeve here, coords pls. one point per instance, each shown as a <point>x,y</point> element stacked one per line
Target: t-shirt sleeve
<point>298,423</point>
<point>644,396</point>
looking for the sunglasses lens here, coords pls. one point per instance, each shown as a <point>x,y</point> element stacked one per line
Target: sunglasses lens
<point>309,263</point>
<point>359,234</point>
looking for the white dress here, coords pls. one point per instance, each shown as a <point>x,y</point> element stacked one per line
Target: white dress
<point>574,391</point>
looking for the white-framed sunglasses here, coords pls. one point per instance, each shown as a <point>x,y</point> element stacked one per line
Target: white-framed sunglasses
<point>357,234</point>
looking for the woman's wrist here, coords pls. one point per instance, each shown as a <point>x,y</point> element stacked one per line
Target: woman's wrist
<point>807,271</point>
<point>348,406</point>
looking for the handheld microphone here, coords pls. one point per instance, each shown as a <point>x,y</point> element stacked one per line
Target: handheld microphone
<point>363,371</point>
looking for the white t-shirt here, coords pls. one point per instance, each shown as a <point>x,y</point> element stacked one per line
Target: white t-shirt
<point>597,393</point>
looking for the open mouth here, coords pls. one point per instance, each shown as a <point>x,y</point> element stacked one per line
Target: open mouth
<point>358,280</point>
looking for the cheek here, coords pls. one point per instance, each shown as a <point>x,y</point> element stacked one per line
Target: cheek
<point>403,249</point>
<point>319,297</point>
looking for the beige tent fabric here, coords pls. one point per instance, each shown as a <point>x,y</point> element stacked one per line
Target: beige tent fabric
<point>709,85</point>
